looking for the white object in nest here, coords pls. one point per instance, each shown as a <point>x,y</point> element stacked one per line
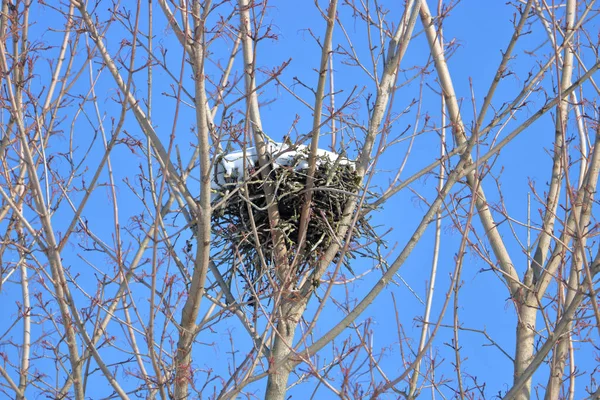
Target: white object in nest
<point>229,168</point>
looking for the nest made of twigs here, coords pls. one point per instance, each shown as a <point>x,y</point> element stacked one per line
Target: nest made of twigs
<point>241,224</point>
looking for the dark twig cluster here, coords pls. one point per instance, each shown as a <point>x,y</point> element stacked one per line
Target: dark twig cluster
<point>242,229</point>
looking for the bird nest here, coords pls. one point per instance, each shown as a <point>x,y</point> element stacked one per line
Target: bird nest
<point>241,223</point>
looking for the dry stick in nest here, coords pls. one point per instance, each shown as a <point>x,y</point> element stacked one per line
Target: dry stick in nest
<point>335,185</point>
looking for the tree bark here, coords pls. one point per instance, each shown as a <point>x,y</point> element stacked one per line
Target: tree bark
<point>281,350</point>
<point>527,316</point>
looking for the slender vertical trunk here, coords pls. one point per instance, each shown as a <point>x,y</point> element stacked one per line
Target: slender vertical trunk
<point>281,349</point>
<point>561,349</point>
<point>26,350</point>
<point>191,308</point>
<point>527,316</point>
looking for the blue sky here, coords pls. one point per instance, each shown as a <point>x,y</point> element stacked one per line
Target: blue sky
<point>479,30</point>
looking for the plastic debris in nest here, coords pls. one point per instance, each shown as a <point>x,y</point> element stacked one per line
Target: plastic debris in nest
<point>238,193</point>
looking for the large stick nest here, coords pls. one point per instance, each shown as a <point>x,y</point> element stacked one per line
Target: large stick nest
<point>245,208</point>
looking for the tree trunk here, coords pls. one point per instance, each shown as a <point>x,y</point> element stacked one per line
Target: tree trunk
<point>527,315</point>
<point>279,372</point>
